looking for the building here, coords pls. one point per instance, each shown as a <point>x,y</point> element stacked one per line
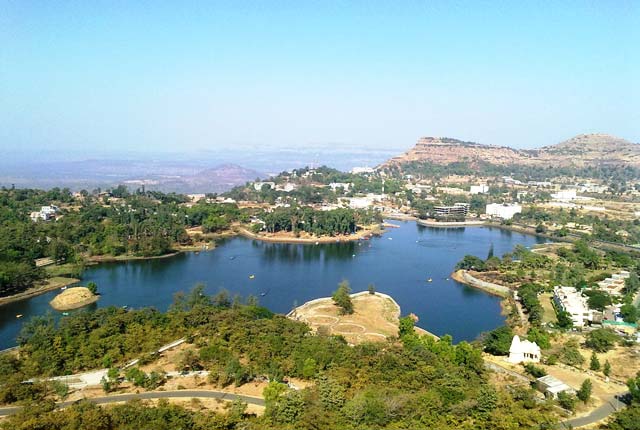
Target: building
<point>571,301</point>
<point>523,351</point>
<point>504,211</point>
<point>565,195</point>
<point>287,187</point>
<point>479,189</point>
<point>458,210</point>
<point>614,284</point>
<point>454,191</point>
<point>357,170</point>
<point>259,185</point>
<point>344,185</point>
<point>45,214</point>
<point>551,386</point>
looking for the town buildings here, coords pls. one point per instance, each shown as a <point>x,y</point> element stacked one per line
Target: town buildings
<point>503,211</point>
<point>615,283</point>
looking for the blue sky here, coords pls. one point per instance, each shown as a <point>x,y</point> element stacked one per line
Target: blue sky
<point>186,76</point>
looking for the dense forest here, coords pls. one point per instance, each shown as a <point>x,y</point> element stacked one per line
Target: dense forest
<point>410,382</point>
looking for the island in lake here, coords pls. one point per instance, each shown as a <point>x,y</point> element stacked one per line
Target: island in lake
<point>73,298</point>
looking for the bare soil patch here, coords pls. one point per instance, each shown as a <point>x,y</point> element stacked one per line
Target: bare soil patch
<point>73,298</point>
<point>375,317</point>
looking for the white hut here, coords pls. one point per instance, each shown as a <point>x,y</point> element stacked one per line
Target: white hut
<point>523,351</point>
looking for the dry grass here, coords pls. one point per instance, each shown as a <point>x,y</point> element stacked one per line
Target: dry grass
<point>375,317</point>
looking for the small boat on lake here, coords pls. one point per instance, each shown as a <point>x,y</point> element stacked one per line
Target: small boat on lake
<point>252,276</point>
<point>19,316</point>
<point>429,280</point>
<point>64,288</point>
<point>65,313</point>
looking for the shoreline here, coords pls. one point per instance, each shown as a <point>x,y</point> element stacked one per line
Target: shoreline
<point>449,224</point>
<point>293,314</point>
<point>360,235</point>
<point>36,291</point>
<point>464,277</point>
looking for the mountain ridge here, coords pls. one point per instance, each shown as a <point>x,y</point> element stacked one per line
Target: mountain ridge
<point>582,150</point>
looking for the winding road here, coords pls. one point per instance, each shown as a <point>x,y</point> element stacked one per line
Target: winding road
<point>610,406</point>
<point>200,394</point>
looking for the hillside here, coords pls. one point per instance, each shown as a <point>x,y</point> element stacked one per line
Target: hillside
<point>579,151</point>
<point>217,179</point>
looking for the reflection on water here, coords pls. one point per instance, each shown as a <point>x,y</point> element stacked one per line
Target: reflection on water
<point>399,263</point>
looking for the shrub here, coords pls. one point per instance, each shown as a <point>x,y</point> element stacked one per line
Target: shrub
<point>601,340</point>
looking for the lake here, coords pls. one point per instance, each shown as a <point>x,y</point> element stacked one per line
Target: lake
<point>398,263</point>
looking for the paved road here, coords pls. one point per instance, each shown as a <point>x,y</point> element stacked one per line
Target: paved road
<point>609,407</point>
<point>201,394</point>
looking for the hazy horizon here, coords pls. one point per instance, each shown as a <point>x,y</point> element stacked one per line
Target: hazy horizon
<point>113,78</point>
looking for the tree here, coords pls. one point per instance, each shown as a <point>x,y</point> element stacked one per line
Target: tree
<point>601,340</point>
<point>567,401</point>
<point>584,393</point>
<point>490,253</point>
<point>629,313</point>
<point>626,419</point>
<point>342,298</point>
<point>594,363</point>
<point>470,262</point>
<point>93,287</point>
<point>498,341</point>
<point>634,387</point>
<point>564,320</point>
<point>607,368</point>
<point>309,368</point>
<point>598,299</point>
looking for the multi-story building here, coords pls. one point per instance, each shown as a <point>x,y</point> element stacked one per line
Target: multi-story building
<point>571,301</point>
<point>457,211</point>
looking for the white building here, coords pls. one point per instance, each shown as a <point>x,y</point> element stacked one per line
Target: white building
<point>504,211</point>
<point>357,170</point>
<point>523,351</point>
<point>46,213</point>
<point>286,187</point>
<point>571,301</point>
<point>258,185</point>
<point>614,284</point>
<point>552,386</point>
<point>479,189</point>
<point>565,195</point>
<point>335,185</point>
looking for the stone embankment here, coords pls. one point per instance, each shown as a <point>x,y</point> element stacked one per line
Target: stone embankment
<point>433,223</point>
<point>466,278</point>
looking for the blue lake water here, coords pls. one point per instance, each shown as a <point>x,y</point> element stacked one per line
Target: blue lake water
<point>399,263</point>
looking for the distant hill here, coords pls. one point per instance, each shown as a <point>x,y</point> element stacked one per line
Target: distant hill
<point>163,175</point>
<point>214,180</point>
<point>579,151</point>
